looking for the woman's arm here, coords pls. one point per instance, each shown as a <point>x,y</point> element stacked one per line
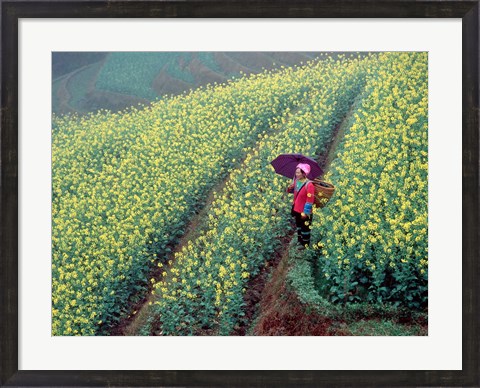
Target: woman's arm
<point>310,199</point>
<point>291,187</point>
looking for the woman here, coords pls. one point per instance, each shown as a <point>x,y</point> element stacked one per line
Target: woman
<point>303,197</point>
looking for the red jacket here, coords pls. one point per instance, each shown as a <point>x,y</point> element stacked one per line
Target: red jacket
<point>304,198</point>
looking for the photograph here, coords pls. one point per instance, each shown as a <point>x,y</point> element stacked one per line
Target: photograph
<point>240,193</point>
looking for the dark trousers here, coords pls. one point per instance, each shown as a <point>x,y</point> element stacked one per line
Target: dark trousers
<point>303,228</point>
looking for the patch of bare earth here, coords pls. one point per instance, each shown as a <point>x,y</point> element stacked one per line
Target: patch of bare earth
<point>258,285</point>
<point>281,313</point>
<point>273,309</point>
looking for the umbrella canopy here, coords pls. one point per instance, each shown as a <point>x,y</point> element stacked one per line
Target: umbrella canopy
<point>286,165</point>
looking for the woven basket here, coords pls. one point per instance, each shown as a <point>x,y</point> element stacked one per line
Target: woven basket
<point>323,192</point>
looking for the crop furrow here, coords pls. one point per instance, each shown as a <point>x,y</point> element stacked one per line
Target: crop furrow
<point>125,185</point>
<point>205,288</point>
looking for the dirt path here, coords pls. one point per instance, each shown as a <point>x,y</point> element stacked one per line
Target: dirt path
<point>260,289</point>
<point>271,309</point>
<point>142,310</point>
<point>277,310</point>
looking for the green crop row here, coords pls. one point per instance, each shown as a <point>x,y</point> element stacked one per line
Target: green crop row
<point>133,73</point>
<point>373,235</point>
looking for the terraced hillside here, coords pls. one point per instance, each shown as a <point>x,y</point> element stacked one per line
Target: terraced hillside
<point>173,214</point>
<point>87,82</point>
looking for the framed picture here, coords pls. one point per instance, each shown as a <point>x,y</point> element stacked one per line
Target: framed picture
<point>31,31</point>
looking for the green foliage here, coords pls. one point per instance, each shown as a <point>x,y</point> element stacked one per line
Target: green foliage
<point>372,235</point>
<point>249,216</point>
<point>361,318</point>
<point>382,328</point>
<point>133,72</point>
<point>126,184</point>
<point>301,280</point>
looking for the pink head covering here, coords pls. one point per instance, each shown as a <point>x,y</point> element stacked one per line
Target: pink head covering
<point>304,167</point>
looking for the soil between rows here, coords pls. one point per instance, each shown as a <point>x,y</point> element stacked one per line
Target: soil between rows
<point>271,310</point>
<point>132,324</point>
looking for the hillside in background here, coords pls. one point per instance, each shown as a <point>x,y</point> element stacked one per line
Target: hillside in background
<point>89,81</point>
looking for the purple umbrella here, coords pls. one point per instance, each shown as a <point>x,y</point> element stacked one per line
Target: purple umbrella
<point>286,165</point>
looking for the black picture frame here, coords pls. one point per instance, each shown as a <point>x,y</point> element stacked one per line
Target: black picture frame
<point>12,11</point>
